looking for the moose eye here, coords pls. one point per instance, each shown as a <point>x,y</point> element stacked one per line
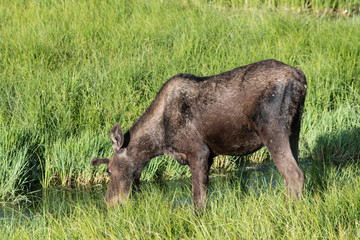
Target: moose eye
<point>108,172</point>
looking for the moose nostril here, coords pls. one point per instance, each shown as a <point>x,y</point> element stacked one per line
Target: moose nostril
<point>108,172</point>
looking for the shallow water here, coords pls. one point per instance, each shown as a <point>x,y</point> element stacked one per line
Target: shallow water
<point>250,177</point>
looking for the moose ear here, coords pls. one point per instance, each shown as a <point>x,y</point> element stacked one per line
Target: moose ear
<point>116,137</point>
<point>98,161</point>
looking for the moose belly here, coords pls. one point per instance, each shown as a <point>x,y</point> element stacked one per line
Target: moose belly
<point>232,140</point>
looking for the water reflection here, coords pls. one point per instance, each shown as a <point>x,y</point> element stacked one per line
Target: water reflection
<point>50,201</point>
<point>250,177</point>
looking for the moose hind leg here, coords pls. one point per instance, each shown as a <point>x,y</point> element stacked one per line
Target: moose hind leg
<point>295,132</point>
<point>294,142</point>
<point>277,121</point>
<point>284,159</point>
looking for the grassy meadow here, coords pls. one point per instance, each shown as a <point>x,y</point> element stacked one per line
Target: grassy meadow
<point>70,70</point>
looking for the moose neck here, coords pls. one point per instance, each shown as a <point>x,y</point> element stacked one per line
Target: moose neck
<point>145,140</point>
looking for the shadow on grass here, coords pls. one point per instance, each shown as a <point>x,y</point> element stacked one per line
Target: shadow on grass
<point>332,152</point>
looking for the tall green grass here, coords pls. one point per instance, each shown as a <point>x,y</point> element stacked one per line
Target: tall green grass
<point>69,70</point>
<point>234,211</point>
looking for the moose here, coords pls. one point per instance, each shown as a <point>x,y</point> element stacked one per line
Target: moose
<point>194,119</point>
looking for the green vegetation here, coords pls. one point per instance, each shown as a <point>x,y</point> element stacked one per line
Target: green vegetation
<point>236,210</point>
<point>69,70</point>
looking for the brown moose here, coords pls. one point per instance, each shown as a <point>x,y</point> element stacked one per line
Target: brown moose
<point>193,119</point>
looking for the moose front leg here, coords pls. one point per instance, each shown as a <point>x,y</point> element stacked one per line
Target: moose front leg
<point>200,178</point>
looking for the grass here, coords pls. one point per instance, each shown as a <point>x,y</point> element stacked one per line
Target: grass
<point>164,212</point>
<point>69,70</point>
